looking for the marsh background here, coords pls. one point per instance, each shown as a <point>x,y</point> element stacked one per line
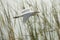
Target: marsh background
<point>44,26</point>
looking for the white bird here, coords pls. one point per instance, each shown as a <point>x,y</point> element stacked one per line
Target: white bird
<point>26,14</point>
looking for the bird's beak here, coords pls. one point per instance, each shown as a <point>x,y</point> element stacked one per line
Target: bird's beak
<point>16,17</point>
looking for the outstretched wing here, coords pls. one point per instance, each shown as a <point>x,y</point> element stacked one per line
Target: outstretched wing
<point>26,17</point>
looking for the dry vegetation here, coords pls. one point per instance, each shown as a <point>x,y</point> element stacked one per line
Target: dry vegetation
<point>44,26</point>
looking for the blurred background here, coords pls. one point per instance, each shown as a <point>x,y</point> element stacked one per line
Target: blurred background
<point>44,26</point>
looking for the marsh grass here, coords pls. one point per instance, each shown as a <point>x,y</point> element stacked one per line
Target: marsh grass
<point>43,26</point>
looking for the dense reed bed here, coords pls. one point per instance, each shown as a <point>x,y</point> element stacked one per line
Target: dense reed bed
<point>43,26</point>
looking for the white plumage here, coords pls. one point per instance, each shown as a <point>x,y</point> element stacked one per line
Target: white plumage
<point>26,14</point>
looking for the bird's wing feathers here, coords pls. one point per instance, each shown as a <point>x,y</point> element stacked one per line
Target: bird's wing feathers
<point>25,10</point>
<point>26,16</point>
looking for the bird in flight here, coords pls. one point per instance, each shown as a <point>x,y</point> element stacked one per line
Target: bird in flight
<point>26,14</point>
